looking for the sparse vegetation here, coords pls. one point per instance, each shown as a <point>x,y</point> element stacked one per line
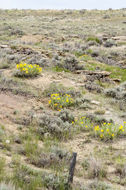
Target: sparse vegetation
<point>62,90</point>
<point>2,168</point>
<point>4,186</point>
<point>95,39</point>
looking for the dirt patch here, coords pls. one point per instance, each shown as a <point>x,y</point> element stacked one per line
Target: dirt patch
<point>47,78</point>
<point>10,104</point>
<point>31,39</point>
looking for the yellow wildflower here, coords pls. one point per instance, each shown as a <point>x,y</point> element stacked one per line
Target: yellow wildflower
<point>67,100</point>
<point>83,117</point>
<point>101,136</point>
<point>96,128</point>
<point>121,127</point>
<point>40,69</point>
<point>68,95</point>
<point>113,135</point>
<point>49,101</point>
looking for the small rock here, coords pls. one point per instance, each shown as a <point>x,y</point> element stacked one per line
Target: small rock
<point>117,80</point>
<point>95,102</point>
<point>18,141</point>
<point>3,46</point>
<point>7,141</point>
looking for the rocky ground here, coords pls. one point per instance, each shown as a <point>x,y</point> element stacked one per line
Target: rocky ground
<point>82,54</point>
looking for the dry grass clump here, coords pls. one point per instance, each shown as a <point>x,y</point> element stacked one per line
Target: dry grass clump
<point>9,186</point>
<point>2,168</point>
<point>94,168</point>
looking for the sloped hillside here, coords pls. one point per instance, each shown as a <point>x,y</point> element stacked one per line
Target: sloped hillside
<point>62,90</point>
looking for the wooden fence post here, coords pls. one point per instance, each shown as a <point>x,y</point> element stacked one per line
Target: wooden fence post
<point>72,168</point>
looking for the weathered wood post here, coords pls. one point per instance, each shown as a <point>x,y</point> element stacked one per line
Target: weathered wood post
<point>72,168</point>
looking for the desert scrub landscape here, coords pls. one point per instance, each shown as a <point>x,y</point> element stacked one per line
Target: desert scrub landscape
<point>62,91</point>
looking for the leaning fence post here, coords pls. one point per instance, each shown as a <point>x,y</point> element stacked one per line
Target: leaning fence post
<point>72,167</point>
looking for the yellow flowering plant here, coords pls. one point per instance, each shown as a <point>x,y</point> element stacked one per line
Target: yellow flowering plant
<point>28,70</point>
<point>83,124</point>
<point>109,131</point>
<point>59,101</point>
<point>105,131</point>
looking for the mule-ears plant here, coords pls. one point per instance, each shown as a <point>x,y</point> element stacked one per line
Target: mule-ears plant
<point>59,101</point>
<point>109,131</point>
<point>103,131</point>
<point>83,124</point>
<point>27,70</point>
